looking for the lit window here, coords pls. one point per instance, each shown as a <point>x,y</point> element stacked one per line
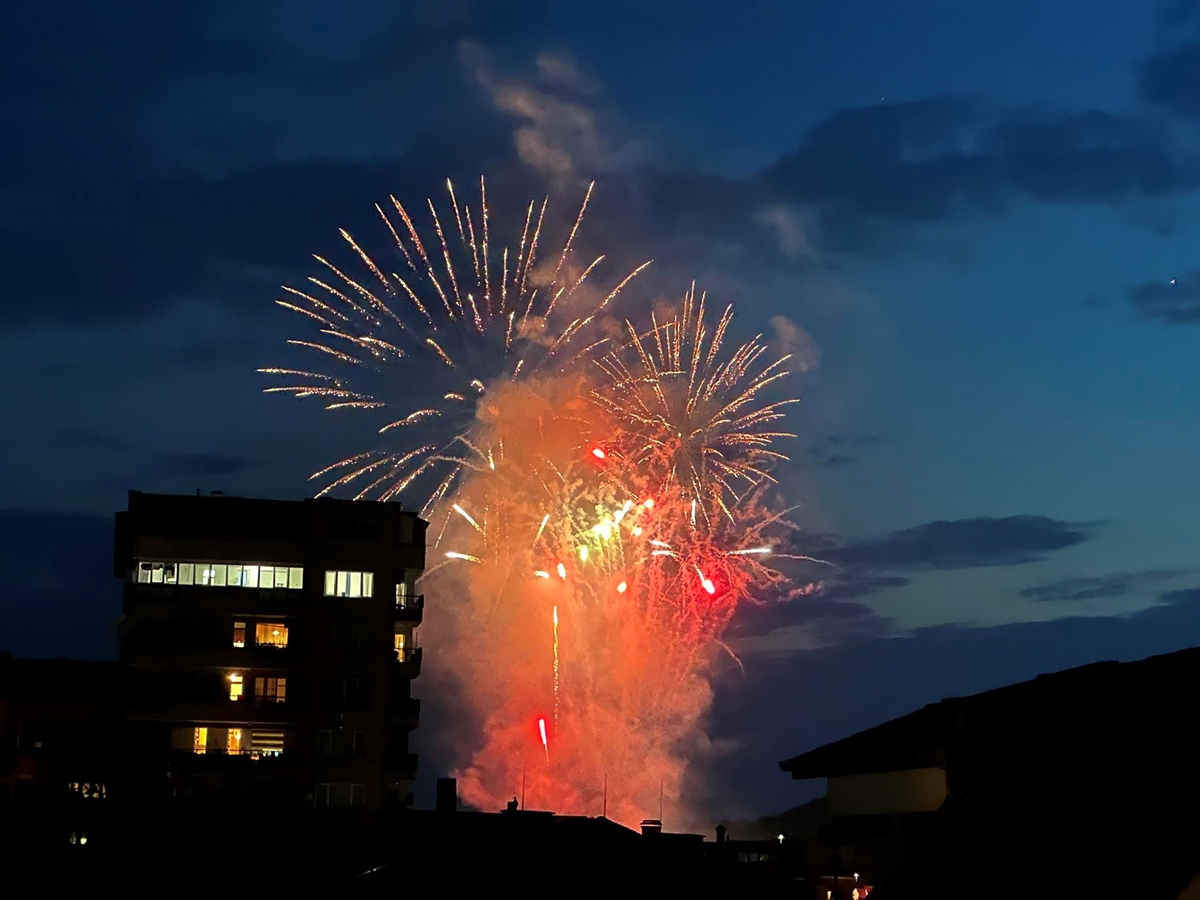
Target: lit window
<point>234,576</point>
<point>211,574</point>
<point>402,595</point>
<point>270,690</point>
<point>233,741</point>
<point>186,571</point>
<point>239,634</point>
<point>349,584</point>
<point>271,634</point>
<point>400,642</point>
<point>295,578</point>
<point>250,577</point>
<point>200,740</point>
<point>91,790</point>
<point>235,687</point>
<point>266,743</point>
<point>168,573</point>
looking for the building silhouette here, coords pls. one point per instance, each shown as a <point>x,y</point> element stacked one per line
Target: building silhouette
<point>268,648</point>
<point>1079,783</point>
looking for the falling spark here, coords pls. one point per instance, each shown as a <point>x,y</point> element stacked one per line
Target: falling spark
<point>541,574</point>
<point>562,571</point>
<point>545,743</point>
<point>452,554</point>
<point>555,666</point>
<point>622,587</point>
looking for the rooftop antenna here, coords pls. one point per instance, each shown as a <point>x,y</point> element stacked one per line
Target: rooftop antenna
<point>522,787</point>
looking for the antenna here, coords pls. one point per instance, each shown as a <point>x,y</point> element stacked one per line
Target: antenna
<point>522,787</point>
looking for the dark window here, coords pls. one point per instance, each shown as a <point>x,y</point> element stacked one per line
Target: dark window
<point>352,530</point>
<point>360,743</point>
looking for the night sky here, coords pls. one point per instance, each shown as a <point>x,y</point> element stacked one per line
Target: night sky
<point>979,222</point>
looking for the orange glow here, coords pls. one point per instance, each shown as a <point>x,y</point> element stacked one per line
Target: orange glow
<point>669,409</point>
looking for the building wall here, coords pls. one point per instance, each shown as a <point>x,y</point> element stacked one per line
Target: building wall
<point>887,793</point>
<point>347,709</point>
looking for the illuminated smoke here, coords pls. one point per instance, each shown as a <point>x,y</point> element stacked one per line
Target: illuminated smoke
<point>597,491</point>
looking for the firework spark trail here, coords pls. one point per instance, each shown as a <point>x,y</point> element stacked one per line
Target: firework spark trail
<point>624,485</point>
<point>555,617</point>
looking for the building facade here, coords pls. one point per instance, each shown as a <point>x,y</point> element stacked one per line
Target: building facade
<point>1076,783</point>
<point>269,648</point>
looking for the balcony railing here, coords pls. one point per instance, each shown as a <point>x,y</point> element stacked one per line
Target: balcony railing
<point>401,763</point>
<point>409,609</point>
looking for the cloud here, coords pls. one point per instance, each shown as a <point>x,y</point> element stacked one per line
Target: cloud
<point>559,136</point>
<point>1182,597</point>
<point>1118,584</point>
<point>1175,301</point>
<point>792,340</point>
<point>931,160</point>
<point>963,544</point>
<point>838,689</point>
<point>152,462</point>
<point>1171,79</point>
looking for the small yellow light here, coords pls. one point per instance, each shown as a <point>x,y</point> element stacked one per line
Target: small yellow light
<point>622,587</point>
<point>583,553</point>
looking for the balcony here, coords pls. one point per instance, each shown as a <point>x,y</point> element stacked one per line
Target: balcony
<point>405,712</point>
<point>409,666</point>
<point>214,760</point>
<point>402,766</point>
<point>245,710</point>
<point>410,609</point>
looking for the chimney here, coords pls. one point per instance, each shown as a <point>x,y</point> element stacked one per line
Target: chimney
<point>720,834</point>
<point>651,826</point>
<point>447,795</point>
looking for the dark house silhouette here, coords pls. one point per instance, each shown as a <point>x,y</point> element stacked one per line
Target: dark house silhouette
<point>1081,783</point>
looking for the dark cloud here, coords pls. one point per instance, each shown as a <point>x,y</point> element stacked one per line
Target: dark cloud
<point>930,160</point>
<point>838,450</point>
<point>838,689</point>
<point>962,544</point>
<point>1175,301</point>
<point>832,602</point>
<point>200,464</point>
<point>154,463</point>
<point>1186,596</point>
<point>1171,79</point>
<point>1118,584</point>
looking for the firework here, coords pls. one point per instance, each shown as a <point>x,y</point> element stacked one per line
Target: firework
<point>463,312</point>
<point>599,491</point>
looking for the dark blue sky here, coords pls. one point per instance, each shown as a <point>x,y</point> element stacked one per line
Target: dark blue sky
<point>984,217</point>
